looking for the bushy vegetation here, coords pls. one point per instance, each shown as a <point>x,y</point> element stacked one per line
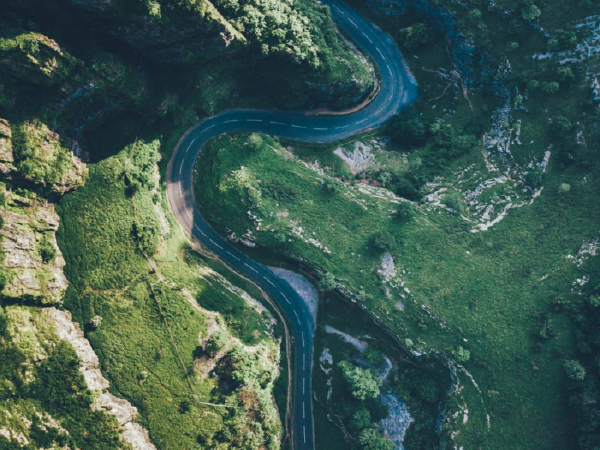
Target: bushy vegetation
<point>111,279</point>
<point>50,386</point>
<point>39,156</point>
<point>449,267</point>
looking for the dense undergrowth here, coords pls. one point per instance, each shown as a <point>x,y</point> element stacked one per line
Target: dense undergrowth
<point>157,347</point>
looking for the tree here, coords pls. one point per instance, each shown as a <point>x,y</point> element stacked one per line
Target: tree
<point>533,85</point>
<point>531,12</point>
<point>384,240</point>
<point>363,383</point>
<point>216,343</point>
<point>417,35</point>
<point>327,282</point>
<point>361,419</point>
<point>462,354</point>
<point>565,73</point>
<point>373,356</point>
<point>255,142</point>
<point>332,186</point>
<point>404,211</point>
<point>372,439</point>
<point>574,370</point>
<point>96,321</point>
<point>561,126</point>
<point>550,87</point>
<point>409,128</point>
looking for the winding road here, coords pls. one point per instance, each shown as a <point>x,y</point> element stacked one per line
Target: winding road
<point>397,90</point>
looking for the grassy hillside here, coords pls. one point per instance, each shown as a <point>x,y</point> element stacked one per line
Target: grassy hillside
<point>185,382</point>
<point>497,294</point>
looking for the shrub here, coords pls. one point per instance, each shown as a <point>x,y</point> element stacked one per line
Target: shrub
<point>384,240</point>
<point>47,250</point>
<point>363,383</point>
<point>327,282</point>
<point>416,35</point>
<point>462,354</point>
<point>372,439</point>
<point>361,419</point>
<point>550,87</point>
<point>574,370</point>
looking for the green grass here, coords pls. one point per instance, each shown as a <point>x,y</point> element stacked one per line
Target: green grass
<point>486,288</point>
<point>149,342</point>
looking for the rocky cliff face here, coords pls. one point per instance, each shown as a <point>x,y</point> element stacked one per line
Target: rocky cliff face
<point>31,262</point>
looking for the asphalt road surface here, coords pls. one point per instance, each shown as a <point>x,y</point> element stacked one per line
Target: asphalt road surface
<point>397,90</point>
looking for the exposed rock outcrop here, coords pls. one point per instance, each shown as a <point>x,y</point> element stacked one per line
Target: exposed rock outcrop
<point>32,260</point>
<point>125,413</point>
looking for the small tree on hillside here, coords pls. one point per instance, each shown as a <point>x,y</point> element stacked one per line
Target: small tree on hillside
<point>574,370</point>
<point>372,439</point>
<point>363,383</point>
<point>384,240</point>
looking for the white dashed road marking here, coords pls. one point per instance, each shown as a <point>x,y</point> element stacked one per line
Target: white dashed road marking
<point>233,256</point>
<point>229,121</point>
<point>201,232</point>
<point>367,37</point>
<point>297,126</point>
<point>276,123</point>
<point>297,318</point>
<point>215,243</point>
<point>303,339</point>
<point>339,128</point>
<point>269,281</point>
<point>361,121</point>
<point>320,129</point>
<point>250,267</point>
<point>285,298</point>
<point>253,120</point>
<point>193,140</point>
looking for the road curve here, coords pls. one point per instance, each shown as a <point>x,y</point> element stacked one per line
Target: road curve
<point>398,90</point>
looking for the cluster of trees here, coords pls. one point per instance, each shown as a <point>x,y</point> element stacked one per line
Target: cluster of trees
<point>279,191</point>
<point>416,35</point>
<point>361,412</point>
<point>58,388</point>
<point>582,373</point>
<point>39,156</point>
<point>278,27</point>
